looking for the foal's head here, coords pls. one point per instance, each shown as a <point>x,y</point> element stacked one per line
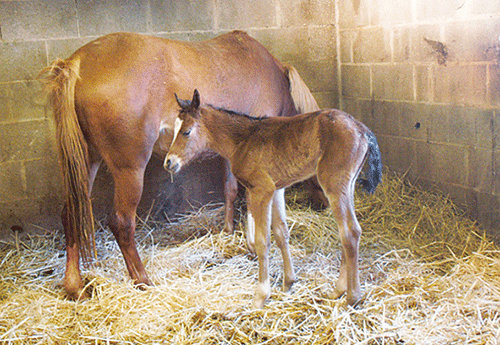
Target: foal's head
<point>188,142</point>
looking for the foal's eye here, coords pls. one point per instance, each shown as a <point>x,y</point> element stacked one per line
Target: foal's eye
<point>186,133</point>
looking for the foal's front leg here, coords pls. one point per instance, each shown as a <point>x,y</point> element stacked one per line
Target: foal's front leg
<point>281,235</point>
<point>259,204</point>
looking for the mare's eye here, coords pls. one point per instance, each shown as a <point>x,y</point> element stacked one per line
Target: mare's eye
<point>186,133</point>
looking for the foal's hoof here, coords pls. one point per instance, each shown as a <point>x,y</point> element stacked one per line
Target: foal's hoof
<point>288,283</point>
<point>228,229</point>
<point>354,301</point>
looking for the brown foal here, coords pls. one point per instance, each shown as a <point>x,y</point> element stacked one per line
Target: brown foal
<point>269,154</point>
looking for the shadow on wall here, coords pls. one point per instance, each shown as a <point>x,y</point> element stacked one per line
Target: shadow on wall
<point>165,196</point>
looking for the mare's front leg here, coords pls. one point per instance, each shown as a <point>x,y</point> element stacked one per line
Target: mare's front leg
<point>230,194</point>
<point>128,191</point>
<point>259,204</point>
<point>281,235</point>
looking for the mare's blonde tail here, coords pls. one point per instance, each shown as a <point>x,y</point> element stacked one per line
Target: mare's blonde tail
<point>302,97</point>
<point>60,79</point>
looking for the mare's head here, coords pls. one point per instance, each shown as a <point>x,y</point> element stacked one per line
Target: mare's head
<point>188,140</point>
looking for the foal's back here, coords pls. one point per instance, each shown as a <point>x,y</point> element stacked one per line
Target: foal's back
<point>289,148</point>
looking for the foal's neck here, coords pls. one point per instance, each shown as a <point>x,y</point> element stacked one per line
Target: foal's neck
<point>226,131</point>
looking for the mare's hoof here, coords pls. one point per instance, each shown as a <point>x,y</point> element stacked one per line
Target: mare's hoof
<point>77,294</point>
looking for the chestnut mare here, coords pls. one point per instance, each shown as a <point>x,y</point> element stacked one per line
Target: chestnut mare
<point>113,102</point>
<point>269,154</point>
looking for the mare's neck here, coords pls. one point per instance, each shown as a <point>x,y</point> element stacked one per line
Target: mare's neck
<point>226,131</point>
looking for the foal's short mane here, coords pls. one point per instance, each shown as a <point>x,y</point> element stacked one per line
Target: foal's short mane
<point>236,113</point>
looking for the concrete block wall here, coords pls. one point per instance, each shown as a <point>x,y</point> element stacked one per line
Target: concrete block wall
<point>425,76</point>
<point>34,32</point>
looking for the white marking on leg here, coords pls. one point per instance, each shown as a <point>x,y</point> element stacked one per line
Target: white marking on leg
<point>250,232</point>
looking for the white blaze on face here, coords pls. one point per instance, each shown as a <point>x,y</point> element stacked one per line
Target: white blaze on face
<point>173,158</point>
<point>177,128</point>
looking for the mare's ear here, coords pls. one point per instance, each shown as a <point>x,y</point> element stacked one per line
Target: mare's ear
<point>184,104</point>
<point>195,103</point>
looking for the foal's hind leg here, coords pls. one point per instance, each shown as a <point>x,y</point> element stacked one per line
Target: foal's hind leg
<point>128,191</point>
<point>230,193</point>
<point>281,235</point>
<point>259,204</point>
<point>339,188</point>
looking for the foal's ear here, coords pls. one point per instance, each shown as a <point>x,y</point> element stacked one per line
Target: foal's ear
<point>195,103</point>
<point>184,104</point>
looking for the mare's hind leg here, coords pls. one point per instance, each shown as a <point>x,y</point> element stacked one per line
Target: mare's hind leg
<point>281,235</point>
<point>339,186</point>
<point>128,190</point>
<point>72,277</point>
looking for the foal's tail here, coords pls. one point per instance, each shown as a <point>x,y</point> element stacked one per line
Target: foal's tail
<point>60,79</point>
<point>374,174</point>
<point>302,98</point>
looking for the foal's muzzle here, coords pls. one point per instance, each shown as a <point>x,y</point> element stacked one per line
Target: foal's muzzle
<point>172,164</point>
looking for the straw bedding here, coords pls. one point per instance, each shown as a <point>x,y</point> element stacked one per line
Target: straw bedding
<point>428,276</point>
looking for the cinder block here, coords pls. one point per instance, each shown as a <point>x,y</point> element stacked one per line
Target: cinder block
<point>413,120</point>
<point>286,44</point>
<point>46,170</point>
<point>64,48</point>
<point>460,84</point>
<point>487,6</point>
<point>175,15</point>
<point>327,100</point>
<point>28,20</point>
<point>486,129</point>
<point>472,40</point>
<point>33,215</point>
<point>346,41</point>
<point>420,50</point>
<point>355,81</point>
<point>423,83</point>
<point>481,169</point>
<point>321,42</point>
<point>402,44</point>
<point>307,12</point>
<point>385,118</point>
<point>11,182</point>
<point>25,140</point>
<point>442,162</point>
<point>99,17</point>
<point>436,123</point>
<point>438,9</point>
<point>21,60</point>
<point>372,45</point>
<point>21,101</point>
<point>494,85</point>
<point>496,172</point>
<point>354,13</point>
<point>393,82</point>
<point>398,154</point>
<point>319,76</point>
<point>246,14</point>
<point>390,12</point>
